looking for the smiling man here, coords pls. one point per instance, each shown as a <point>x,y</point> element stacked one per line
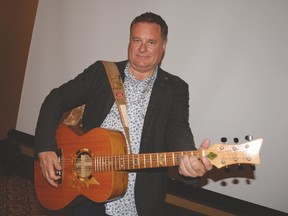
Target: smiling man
<point>157,109</point>
<point>146,48</point>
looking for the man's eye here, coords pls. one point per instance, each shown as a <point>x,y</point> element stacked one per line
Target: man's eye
<point>137,41</point>
<point>151,42</point>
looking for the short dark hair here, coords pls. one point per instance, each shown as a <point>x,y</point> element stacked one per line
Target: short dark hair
<point>150,17</point>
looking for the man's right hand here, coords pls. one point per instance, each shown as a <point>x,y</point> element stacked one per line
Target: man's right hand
<point>49,163</point>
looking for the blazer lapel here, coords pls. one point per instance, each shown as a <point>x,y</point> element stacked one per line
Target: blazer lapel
<point>158,95</point>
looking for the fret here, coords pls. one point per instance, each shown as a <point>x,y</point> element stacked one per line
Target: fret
<point>157,160</point>
<point>118,164</point>
<point>151,164</point>
<point>114,162</point>
<point>95,164</point>
<point>108,163</point>
<point>138,161</point>
<point>172,159</point>
<point>167,159</point>
<point>197,154</point>
<point>178,157</point>
<point>100,163</point>
<point>128,161</point>
<point>144,160</point>
<point>122,163</point>
<point>160,159</point>
<point>118,159</point>
<point>105,163</point>
<point>133,161</point>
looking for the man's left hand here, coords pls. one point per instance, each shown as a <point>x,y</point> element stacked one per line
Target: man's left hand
<point>191,166</point>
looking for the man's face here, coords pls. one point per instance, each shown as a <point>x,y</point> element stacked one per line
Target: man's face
<point>146,48</point>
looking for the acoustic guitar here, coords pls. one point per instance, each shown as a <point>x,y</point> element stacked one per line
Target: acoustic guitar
<point>95,164</point>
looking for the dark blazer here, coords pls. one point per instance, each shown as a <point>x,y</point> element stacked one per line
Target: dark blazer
<point>166,125</point>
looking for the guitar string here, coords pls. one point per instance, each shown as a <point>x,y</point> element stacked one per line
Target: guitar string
<point>133,157</point>
<point>113,162</point>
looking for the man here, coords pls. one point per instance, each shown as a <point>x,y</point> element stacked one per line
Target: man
<point>158,110</point>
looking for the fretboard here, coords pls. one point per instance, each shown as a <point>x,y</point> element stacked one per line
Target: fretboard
<point>140,161</point>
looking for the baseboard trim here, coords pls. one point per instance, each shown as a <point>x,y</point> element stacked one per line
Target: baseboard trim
<point>194,206</point>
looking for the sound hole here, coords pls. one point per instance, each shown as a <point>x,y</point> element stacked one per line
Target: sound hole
<point>84,165</point>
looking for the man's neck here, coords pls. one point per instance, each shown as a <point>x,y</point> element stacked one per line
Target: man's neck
<point>141,75</point>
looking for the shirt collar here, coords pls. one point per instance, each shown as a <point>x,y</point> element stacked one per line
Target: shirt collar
<point>129,75</point>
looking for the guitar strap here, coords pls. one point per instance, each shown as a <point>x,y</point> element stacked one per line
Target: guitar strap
<point>74,117</point>
<point>117,87</point>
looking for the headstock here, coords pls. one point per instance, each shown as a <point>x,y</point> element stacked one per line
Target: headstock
<point>223,155</point>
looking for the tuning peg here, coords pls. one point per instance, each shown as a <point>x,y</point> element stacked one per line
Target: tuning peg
<point>227,169</point>
<point>236,140</point>
<point>252,167</point>
<point>223,139</point>
<point>248,138</point>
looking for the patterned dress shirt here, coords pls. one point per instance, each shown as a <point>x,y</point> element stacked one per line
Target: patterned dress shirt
<point>138,94</point>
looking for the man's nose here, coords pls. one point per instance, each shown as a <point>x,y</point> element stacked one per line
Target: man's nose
<point>143,47</point>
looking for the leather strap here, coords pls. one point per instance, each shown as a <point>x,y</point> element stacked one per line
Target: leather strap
<point>119,95</point>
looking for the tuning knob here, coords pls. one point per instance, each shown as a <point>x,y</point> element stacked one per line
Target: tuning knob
<point>248,138</point>
<point>240,167</point>
<point>223,139</point>
<point>227,169</point>
<point>252,167</point>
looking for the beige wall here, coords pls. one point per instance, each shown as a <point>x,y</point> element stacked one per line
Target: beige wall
<point>16,26</point>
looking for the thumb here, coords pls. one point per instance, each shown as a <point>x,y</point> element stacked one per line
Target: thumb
<point>205,144</point>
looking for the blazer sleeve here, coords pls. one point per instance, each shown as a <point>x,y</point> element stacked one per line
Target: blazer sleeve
<point>178,131</point>
<point>179,134</point>
<point>69,95</point>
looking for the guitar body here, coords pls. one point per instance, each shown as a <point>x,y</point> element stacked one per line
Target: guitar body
<point>79,177</point>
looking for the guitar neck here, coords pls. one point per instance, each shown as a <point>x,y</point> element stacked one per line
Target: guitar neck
<point>140,161</point>
<point>220,155</point>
